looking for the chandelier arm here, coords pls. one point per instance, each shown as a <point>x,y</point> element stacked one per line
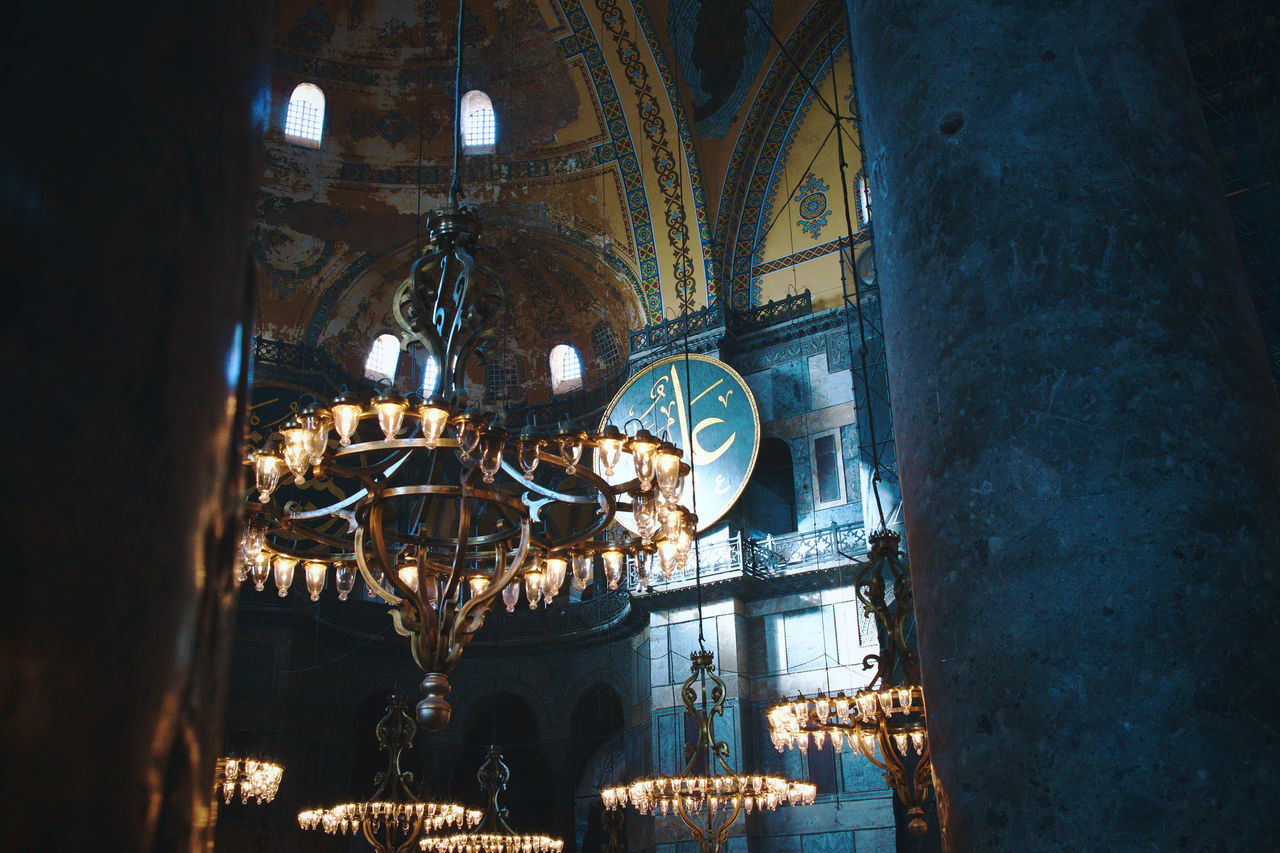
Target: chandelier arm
<point>722,833</point>
<point>694,829</point>
<point>470,617</point>
<point>381,591</point>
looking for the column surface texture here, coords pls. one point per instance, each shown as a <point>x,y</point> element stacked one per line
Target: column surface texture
<point>128,173</point>
<point>1086,427</point>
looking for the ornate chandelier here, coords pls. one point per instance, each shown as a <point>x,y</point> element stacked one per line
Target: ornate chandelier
<point>708,804</point>
<point>884,722</point>
<point>394,817</point>
<point>444,510</point>
<point>493,835</point>
<point>250,778</point>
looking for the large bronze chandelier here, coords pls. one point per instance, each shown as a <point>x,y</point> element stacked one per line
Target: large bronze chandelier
<point>884,722</point>
<point>444,511</point>
<point>711,801</point>
<point>394,819</point>
<point>493,835</point>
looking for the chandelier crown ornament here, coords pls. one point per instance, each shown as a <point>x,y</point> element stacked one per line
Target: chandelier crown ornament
<point>249,778</point>
<point>443,514</point>
<point>493,835</point>
<point>394,818</point>
<point>710,803</point>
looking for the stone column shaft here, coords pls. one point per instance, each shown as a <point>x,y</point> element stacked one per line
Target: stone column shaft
<point>1086,427</point>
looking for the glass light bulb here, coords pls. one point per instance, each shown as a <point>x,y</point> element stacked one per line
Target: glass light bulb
<point>900,742</point>
<point>315,421</point>
<point>904,699</point>
<point>267,468</point>
<point>533,587</point>
<point>666,464</point>
<point>314,572</point>
<point>613,562</point>
<point>468,436</point>
<point>511,595</point>
<point>642,448</point>
<point>571,452</point>
<point>478,585</point>
<point>260,570</point>
<point>491,453</point>
<point>346,417</point>
<point>408,574</point>
<point>609,448</point>
<point>251,543</point>
<point>390,416</point>
<point>344,579</point>
<point>434,418</point>
<point>917,740</point>
<point>667,556</point>
<point>556,566</point>
<point>527,449</point>
<point>581,565</point>
<point>283,568</point>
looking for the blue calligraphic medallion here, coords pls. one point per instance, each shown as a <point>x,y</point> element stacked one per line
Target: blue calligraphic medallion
<point>696,402</point>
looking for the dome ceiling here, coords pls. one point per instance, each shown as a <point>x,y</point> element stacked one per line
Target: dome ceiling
<point>598,195</point>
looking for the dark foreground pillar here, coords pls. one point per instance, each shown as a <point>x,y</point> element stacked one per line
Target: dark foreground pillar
<point>127,176</point>
<point>1086,427</point>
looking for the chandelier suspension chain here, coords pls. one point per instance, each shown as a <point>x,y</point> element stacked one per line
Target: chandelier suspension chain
<point>455,187</point>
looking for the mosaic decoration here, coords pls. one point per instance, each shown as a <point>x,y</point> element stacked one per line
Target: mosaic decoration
<point>719,45</point>
<point>812,198</point>
<point>275,250</point>
<point>804,255</point>
<point>312,31</point>
<point>759,142</point>
<point>624,153</point>
<point>690,151</point>
<point>664,160</point>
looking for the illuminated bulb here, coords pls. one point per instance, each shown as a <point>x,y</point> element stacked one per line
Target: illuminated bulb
<point>609,445</point>
<point>666,466</point>
<point>900,741</point>
<point>917,739</point>
<point>260,570</point>
<point>904,699</point>
<point>511,595</point>
<point>667,556</point>
<point>408,574</point>
<point>315,420</point>
<point>478,585</point>
<point>297,450</point>
<point>346,416</point>
<point>642,569</point>
<point>435,415</point>
<point>613,561</point>
<point>581,565</point>
<point>314,572</point>
<point>837,740</point>
<point>842,708</point>
<point>344,579</point>
<point>644,511</point>
<point>390,408</point>
<point>267,468</point>
<point>533,587</point>
<point>642,448</point>
<point>886,701</point>
<point>283,568</point>
<point>556,566</point>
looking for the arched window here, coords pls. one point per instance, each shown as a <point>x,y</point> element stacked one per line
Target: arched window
<point>383,357</point>
<point>430,376</point>
<point>864,200</point>
<point>304,122</point>
<point>479,131</point>
<point>566,369</point>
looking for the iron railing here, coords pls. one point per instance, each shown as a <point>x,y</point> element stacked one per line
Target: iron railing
<point>668,332</point>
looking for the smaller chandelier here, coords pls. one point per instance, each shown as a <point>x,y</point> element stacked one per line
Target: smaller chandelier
<point>394,817</point>
<point>708,805</point>
<point>886,724</point>
<point>250,778</point>
<point>493,835</point>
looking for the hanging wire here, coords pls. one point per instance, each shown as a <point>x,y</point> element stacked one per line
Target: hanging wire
<point>422,106</point>
<point>455,187</point>
<point>857,304</point>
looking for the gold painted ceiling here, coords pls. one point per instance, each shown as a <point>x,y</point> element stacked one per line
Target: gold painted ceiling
<point>651,158</point>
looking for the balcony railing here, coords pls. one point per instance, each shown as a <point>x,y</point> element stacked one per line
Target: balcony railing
<point>761,559</point>
<point>672,331</point>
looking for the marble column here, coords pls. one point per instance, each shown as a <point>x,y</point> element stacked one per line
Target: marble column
<point>1086,427</point>
<point>128,172</point>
